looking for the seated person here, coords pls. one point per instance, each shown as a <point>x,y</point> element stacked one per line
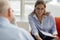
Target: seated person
<point>9,31</point>
<point>39,19</point>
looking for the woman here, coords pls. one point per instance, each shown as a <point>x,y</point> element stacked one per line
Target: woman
<point>39,19</point>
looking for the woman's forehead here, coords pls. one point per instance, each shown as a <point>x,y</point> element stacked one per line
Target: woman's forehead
<point>40,6</point>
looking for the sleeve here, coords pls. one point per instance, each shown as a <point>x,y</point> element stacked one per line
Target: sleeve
<point>21,34</point>
<point>53,30</point>
<point>33,26</point>
<point>27,34</point>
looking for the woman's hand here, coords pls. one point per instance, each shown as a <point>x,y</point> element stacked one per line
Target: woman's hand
<point>54,35</point>
<point>38,37</point>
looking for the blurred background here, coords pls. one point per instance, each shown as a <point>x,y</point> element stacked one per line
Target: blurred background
<point>22,8</point>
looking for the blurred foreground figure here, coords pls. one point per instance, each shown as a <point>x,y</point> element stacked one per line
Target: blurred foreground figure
<point>7,30</point>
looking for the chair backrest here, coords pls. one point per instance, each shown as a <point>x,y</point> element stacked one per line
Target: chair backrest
<point>57,19</point>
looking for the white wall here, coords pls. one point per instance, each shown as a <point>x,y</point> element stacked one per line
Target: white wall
<point>24,25</point>
<point>54,9</point>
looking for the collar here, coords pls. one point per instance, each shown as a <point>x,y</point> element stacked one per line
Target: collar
<point>4,20</point>
<point>37,18</point>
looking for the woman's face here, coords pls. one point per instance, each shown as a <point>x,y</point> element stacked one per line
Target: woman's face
<point>39,9</point>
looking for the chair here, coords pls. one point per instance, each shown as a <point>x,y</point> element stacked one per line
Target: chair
<point>57,19</point>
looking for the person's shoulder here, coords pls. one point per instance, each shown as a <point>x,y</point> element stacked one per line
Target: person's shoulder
<point>22,30</point>
<point>18,28</point>
<point>49,15</point>
<point>31,14</point>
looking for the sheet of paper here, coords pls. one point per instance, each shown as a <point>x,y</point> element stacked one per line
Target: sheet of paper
<point>46,33</point>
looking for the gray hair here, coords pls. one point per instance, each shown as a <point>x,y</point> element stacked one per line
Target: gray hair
<point>4,4</point>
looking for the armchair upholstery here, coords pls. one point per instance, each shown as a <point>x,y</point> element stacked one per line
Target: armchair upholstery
<point>57,19</point>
